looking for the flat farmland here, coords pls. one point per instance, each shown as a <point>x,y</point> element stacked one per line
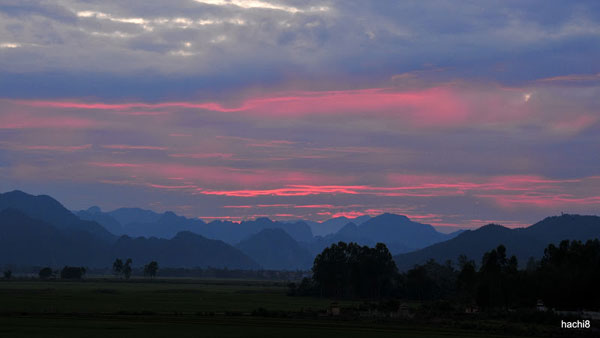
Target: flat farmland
<point>184,308</point>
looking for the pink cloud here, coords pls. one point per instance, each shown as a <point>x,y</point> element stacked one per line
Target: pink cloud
<point>541,200</point>
<point>114,165</point>
<point>348,214</point>
<point>460,104</point>
<point>205,176</point>
<point>315,206</point>
<point>290,190</point>
<point>572,78</point>
<point>58,148</point>
<point>439,103</point>
<point>172,187</point>
<point>125,106</point>
<point>132,147</point>
<point>202,155</point>
<point>59,122</point>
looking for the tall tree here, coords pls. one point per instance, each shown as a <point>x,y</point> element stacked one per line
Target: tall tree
<point>498,275</point>
<point>45,273</point>
<point>118,267</point>
<point>151,269</point>
<point>351,270</point>
<point>127,268</point>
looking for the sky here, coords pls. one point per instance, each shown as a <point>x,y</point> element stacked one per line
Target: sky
<point>454,113</point>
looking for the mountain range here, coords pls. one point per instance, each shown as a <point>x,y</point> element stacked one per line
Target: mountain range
<point>521,242</point>
<point>39,231</point>
<point>398,232</point>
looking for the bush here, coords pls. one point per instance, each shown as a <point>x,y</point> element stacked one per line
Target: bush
<point>72,272</point>
<point>46,273</point>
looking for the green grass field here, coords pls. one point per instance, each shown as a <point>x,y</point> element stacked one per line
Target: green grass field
<point>181,308</point>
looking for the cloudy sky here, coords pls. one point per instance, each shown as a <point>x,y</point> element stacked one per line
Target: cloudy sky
<point>452,113</point>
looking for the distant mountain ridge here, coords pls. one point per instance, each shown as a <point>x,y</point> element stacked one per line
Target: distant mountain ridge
<point>333,225</point>
<point>275,249</point>
<point>31,242</point>
<point>399,233</point>
<point>49,210</point>
<point>39,231</point>
<point>186,249</point>
<point>521,242</point>
<point>124,221</point>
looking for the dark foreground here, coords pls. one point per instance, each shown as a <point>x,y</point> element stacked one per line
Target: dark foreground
<point>209,308</point>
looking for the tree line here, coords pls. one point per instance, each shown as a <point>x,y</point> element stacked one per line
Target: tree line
<point>120,269</point>
<point>566,277</point>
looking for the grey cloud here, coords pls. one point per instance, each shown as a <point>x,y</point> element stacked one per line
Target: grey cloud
<point>358,41</point>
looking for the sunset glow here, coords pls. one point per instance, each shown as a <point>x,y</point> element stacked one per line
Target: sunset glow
<point>238,109</point>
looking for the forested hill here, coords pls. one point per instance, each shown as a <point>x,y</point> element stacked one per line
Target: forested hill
<point>522,242</point>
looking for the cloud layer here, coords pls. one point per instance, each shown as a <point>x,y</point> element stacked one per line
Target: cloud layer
<point>453,114</point>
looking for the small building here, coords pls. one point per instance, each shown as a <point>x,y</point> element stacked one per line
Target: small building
<point>472,309</point>
<point>540,306</point>
<point>334,309</point>
<point>404,311</point>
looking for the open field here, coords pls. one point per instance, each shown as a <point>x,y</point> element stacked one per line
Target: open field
<point>173,296</point>
<point>180,307</point>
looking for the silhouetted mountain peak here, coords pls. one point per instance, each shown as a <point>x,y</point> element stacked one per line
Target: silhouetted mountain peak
<point>188,235</point>
<point>492,227</point>
<point>94,210</point>
<point>348,229</point>
<point>388,217</point>
<point>170,216</point>
<point>566,226</point>
<point>20,199</point>
<point>49,210</point>
<point>272,234</point>
<point>274,248</point>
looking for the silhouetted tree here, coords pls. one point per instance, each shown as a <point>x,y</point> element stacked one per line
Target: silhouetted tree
<point>151,269</point>
<point>497,278</point>
<point>7,274</point>
<point>72,272</point>
<point>569,275</point>
<point>466,281</point>
<point>45,273</point>
<point>351,270</point>
<point>429,281</point>
<point>127,268</point>
<point>118,267</point>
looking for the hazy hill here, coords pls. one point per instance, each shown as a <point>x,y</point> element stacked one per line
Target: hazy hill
<point>233,233</point>
<point>134,215</point>
<point>49,210</point>
<point>31,242</point>
<point>135,222</point>
<point>166,225</point>
<point>184,250</point>
<point>333,225</point>
<point>39,231</point>
<point>573,227</point>
<point>106,220</point>
<point>399,233</point>
<point>348,233</point>
<point>275,249</point>
<point>523,242</point>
